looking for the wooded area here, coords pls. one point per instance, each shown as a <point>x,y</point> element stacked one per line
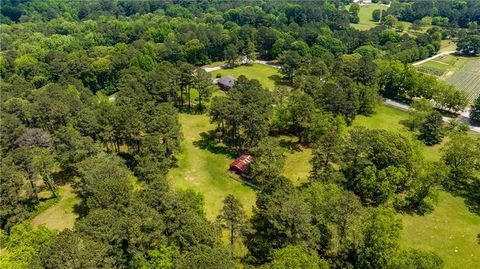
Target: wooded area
<point>92,93</point>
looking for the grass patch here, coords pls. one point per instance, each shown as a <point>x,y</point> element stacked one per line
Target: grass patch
<point>215,64</point>
<point>447,45</point>
<point>391,118</point>
<point>450,231</point>
<point>205,169</point>
<point>60,215</point>
<point>297,166</point>
<point>268,76</point>
<point>366,22</point>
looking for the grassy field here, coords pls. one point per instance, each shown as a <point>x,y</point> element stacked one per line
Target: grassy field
<point>268,76</point>
<point>203,166</point>
<point>447,45</point>
<point>365,16</point>
<point>450,231</point>
<point>61,215</point>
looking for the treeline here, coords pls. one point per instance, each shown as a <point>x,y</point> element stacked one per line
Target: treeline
<point>463,14</point>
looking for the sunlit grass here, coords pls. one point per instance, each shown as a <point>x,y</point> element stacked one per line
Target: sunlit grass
<point>268,76</point>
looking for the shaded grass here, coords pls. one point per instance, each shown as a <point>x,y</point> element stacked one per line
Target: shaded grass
<point>61,215</point>
<point>297,166</point>
<point>450,231</point>
<point>206,171</point>
<point>268,76</point>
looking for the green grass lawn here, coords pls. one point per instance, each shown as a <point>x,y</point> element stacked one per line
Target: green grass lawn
<point>205,170</point>
<point>61,215</point>
<point>450,231</point>
<point>391,118</point>
<point>268,76</point>
<point>365,16</point>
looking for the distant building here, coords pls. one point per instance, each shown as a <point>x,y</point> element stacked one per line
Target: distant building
<point>241,164</point>
<point>226,83</point>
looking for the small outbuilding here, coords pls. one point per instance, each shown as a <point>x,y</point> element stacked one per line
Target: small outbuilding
<point>241,164</point>
<point>226,83</point>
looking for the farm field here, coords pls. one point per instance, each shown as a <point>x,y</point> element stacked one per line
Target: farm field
<point>461,72</point>
<point>61,215</point>
<point>467,79</point>
<point>450,231</point>
<point>365,16</point>
<point>268,76</point>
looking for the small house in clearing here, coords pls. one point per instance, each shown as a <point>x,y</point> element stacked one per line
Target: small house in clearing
<point>226,83</point>
<point>241,164</point>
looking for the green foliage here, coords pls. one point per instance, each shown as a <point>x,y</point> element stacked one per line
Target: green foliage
<point>431,131</point>
<point>244,114</point>
<point>232,217</point>
<point>469,44</point>
<point>269,160</point>
<point>104,182</point>
<point>379,243</point>
<point>25,245</point>
<point>461,156</point>
<point>206,258</point>
<point>475,110</point>
<point>295,257</point>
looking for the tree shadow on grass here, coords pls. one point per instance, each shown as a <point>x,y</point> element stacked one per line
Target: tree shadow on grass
<point>290,145</point>
<point>278,80</point>
<point>209,141</point>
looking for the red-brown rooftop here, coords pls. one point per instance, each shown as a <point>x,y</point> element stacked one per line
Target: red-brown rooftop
<point>241,164</point>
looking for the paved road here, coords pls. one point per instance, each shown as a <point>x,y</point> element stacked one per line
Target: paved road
<point>433,57</point>
<point>463,116</point>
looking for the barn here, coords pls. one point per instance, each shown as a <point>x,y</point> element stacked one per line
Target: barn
<point>241,164</point>
<point>226,83</point>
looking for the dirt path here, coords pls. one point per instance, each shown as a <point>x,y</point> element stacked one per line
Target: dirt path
<point>433,57</point>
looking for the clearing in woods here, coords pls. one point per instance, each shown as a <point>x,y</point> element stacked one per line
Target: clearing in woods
<point>268,76</point>
<point>365,15</point>
<point>203,165</point>
<point>61,215</point>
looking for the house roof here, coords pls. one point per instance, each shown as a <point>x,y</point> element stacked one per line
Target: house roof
<point>227,81</point>
<point>241,163</point>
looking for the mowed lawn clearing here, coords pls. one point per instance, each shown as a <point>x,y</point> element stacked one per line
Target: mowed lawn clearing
<point>450,231</point>
<point>205,170</point>
<point>366,22</point>
<point>61,215</point>
<point>268,76</point>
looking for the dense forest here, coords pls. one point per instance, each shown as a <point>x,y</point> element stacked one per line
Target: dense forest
<point>91,93</point>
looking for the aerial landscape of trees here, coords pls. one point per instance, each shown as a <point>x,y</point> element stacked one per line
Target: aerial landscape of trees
<point>91,97</point>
